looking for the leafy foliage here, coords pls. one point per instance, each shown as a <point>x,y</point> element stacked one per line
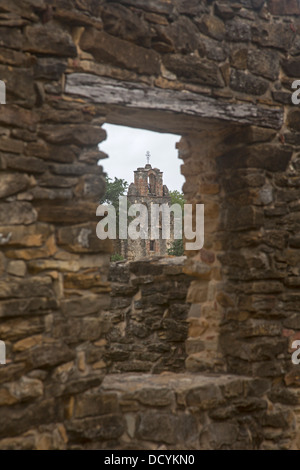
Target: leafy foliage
<point>116,257</point>
<point>177,248</point>
<point>114,189</point>
<point>177,198</point>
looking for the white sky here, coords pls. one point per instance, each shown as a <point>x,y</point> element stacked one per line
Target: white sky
<point>127,149</point>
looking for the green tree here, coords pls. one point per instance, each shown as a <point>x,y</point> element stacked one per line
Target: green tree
<point>177,198</point>
<point>116,257</point>
<point>177,246</point>
<point>114,189</point>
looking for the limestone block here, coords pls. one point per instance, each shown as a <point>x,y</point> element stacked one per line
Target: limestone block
<point>273,35</point>
<point>17,268</point>
<point>84,305</point>
<point>212,26</point>
<point>126,24</point>
<point>95,403</point>
<point>238,31</point>
<point>23,389</point>
<point>115,51</point>
<point>80,134</point>
<point>168,428</point>
<point>17,213</point>
<point>49,39</point>
<point>284,7</point>
<point>193,69</point>
<point>247,83</point>
<point>18,117</point>
<point>11,183</point>
<point>107,427</point>
<point>19,84</point>
<point>16,421</point>
<point>11,145</point>
<point>219,436</point>
<point>26,164</point>
<point>264,63</point>
<point>164,6</point>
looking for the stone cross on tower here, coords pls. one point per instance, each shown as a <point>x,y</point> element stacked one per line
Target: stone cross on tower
<point>148,157</point>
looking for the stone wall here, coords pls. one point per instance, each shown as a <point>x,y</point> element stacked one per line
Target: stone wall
<point>148,316</point>
<point>191,412</point>
<point>219,74</point>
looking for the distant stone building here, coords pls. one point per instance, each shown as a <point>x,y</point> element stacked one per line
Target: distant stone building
<point>147,189</point>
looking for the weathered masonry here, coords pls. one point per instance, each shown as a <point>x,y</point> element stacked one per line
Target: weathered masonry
<point>89,360</point>
<point>147,189</point>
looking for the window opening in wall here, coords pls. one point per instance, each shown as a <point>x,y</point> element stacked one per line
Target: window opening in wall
<point>143,166</point>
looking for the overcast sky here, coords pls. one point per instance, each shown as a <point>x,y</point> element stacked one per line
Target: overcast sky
<point>127,149</point>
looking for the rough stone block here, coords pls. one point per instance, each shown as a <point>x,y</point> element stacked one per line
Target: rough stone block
<point>11,183</point>
<point>265,156</point>
<point>55,153</point>
<point>284,7</point>
<point>22,390</point>
<point>179,36</point>
<point>238,31</point>
<point>65,212</point>
<point>264,63</point>
<point>17,268</point>
<point>126,24</point>
<point>193,69</point>
<point>115,51</point>
<point>16,420</point>
<point>194,345</point>
<point>11,38</point>
<point>108,427</point>
<point>49,39</point>
<point>164,7</point>
<point>31,306</point>
<point>219,436</point>
<point>84,305</point>
<point>291,67</point>
<point>82,239</point>
<point>155,396</point>
<point>18,117</point>
<point>25,287</point>
<point>90,279</point>
<point>166,427</point>
<point>205,397</point>
<point>17,213</point>
<point>80,134</point>
<point>224,11</point>
<point>27,164</point>
<point>19,85</point>
<point>94,403</point>
<point>212,26</point>
<point>247,83</point>
<point>46,353</point>
<point>279,35</point>
<point>49,68</point>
